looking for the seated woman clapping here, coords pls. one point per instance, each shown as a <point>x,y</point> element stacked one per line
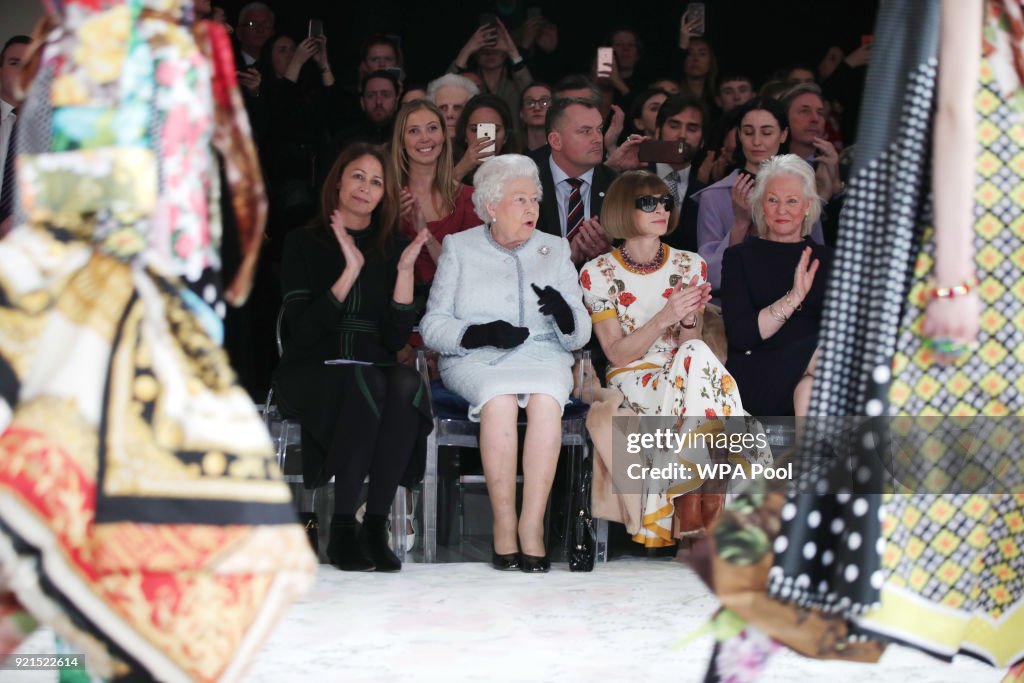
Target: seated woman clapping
<point>646,301</point>
<point>347,283</point>
<point>773,289</point>
<point>505,312</point>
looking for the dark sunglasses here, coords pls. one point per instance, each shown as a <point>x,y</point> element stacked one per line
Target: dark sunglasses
<point>648,202</point>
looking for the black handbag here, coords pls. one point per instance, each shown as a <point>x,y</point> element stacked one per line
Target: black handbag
<point>582,541</point>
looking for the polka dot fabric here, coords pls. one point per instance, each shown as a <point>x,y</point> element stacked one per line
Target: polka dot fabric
<point>902,567</point>
<point>886,201</point>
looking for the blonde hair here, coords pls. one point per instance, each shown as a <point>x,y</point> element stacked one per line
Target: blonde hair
<point>444,169</point>
<point>618,213</point>
<point>785,164</point>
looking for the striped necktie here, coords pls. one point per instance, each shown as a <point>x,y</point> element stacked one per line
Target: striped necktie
<point>573,208</point>
<point>672,180</point>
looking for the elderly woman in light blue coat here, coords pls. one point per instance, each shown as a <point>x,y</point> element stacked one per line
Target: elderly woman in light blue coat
<point>505,313</point>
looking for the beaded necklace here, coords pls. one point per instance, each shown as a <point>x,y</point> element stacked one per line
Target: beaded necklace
<point>646,267</point>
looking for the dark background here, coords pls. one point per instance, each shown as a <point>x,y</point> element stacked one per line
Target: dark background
<point>751,36</point>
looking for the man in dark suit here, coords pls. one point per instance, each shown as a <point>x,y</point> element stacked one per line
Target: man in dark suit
<point>682,118</point>
<point>571,165</point>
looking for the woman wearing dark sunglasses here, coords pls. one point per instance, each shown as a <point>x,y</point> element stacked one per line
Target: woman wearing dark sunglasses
<point>646,301</point>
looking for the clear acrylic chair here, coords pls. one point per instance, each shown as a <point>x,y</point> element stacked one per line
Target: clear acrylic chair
<point>452,427</point>
<point>286,434</point>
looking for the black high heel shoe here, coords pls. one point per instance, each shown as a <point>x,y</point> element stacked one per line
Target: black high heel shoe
<point>504,563</point>
<point>533,564</point>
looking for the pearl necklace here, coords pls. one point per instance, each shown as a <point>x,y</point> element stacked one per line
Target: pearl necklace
<point>646,267</point>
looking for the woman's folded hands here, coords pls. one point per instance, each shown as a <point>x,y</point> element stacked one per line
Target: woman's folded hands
<point>497,333</point>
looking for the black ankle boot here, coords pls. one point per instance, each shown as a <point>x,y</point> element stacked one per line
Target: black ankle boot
<point>344,550</point>
<point>374,536</point>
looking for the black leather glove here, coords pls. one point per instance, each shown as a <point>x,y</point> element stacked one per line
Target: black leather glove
<point>498,333</point>
<point>552,303</point>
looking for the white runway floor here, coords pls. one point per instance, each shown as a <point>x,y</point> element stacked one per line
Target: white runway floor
<point>468,622</point>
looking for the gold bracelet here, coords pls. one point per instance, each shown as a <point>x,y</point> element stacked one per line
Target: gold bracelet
<point>789,303</point>
<point>776,315</point>
<point>691,325</point>
<point>961,289</point>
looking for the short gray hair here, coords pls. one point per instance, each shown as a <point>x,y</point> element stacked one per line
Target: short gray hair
<point>495,174</point>
<point>785,164</point>
<point>451,80</point>
<point>798,90</point>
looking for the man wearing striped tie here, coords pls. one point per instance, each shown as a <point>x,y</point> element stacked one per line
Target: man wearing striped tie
<point>573,177</point>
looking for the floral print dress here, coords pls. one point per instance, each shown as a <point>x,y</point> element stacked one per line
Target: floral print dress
<point>671,380</point>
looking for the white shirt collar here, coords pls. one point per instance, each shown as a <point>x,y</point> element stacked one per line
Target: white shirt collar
<point>559,176</point>
<point>664,169</point>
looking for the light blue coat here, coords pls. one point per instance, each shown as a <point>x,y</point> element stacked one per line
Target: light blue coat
<point>479,281</point>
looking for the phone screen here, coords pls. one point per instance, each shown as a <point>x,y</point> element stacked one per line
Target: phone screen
<point>316,28</point>
<point>695,10</point>
<point>605,56</point>
<point>674,152</point>
<point>490,19</point>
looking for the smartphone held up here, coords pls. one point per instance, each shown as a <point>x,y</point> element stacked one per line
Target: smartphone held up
<point>490,20</point>
<point>316,28</point>
<point>489,131</point>
<point>605,58</point>
<point>695,12</point>
<point>673,152</point>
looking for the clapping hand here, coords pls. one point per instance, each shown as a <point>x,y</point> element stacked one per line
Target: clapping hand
<point>411,212</point>
<point>409,255</point>
<point>741,190</point>
<point>803,278</point>
<point>552,303</point>
<point>685,303</point>
<point>589,241</point>
<point>354,259</point>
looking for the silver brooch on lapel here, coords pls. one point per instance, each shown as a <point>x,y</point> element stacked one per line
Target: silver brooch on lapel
<point>543,251</point>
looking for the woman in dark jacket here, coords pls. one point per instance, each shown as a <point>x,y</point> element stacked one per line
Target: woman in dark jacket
<point>772,290</point>
<point>347,283</point>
